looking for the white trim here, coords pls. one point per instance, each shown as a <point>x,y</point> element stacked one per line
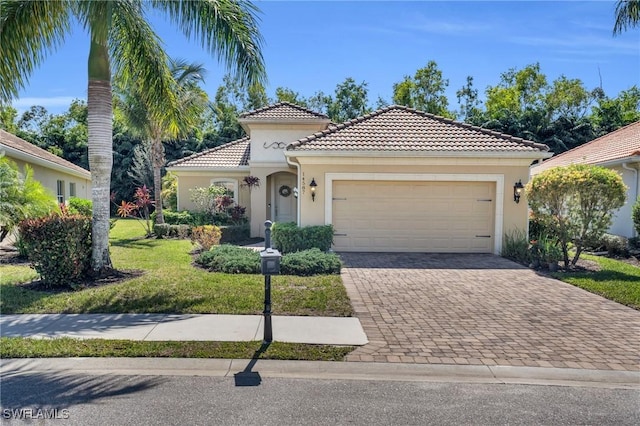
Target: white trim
<point>29,158</point>
<point>498,179</point>
<point>457,154</point>
<point>199,171</point>
<point>236,188</point>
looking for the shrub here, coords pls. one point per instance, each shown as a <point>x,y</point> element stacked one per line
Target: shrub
<point>576,204</point>
<point>635,215</point>
<point>615,245</point>
<point>172,231</point>
<point>175,218</point>
<point>80,206</point>
<point>161,230</point>
<point>234,233</point>
<point>289,238</point>
<point>206,236</point>
<point>231,259</point>
<point>516,247</point>
<point>310,262</point>
<point>59,247</point>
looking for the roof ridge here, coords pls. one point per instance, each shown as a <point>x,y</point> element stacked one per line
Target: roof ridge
<point>207,151</point>
<point>445,120</point>
<point>280,104</point>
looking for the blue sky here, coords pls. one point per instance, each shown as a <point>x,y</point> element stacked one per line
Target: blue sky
<point>311,46</point>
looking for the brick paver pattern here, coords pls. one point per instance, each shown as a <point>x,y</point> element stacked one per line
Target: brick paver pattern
<point>483,310</point>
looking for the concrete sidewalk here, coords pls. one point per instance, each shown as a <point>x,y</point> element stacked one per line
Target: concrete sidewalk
<point>169,327</point>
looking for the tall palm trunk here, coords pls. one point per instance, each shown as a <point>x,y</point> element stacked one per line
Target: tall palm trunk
<point>100,152</point>
<point>157,152</point>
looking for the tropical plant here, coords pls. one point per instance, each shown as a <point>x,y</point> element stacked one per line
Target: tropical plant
<point>576,204</point>
<point>122,41</point>
<point>141,119</point>
<point>170,191</point>
<point>627,15</point>
<point>139,209</point>
<point>21,196</point>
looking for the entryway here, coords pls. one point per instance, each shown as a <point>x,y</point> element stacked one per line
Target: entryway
<point>284,207</point>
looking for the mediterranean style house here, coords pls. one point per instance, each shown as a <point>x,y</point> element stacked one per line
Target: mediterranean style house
<point>61,177</point>
<point>397,179</point>
<point>619,151</point>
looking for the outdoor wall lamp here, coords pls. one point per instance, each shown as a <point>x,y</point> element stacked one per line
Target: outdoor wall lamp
<point>518,188</point>
<point>312,186</point>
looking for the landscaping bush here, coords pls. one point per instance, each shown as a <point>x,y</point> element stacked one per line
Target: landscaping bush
<point>310,262</point>
<point>516,247</point>
<point>234,233</point>
<point>290,238</point>
<point>206,236</point>
<point>175,218</point>
<point>635,215</point>
<point>80,206</point>
<point>161,230</point>
<point>614,245</point>
<point>59,247</point>
<point>172,231</point>
<point>231,259</point>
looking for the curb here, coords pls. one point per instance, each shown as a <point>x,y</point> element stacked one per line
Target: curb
<point>323,370</point>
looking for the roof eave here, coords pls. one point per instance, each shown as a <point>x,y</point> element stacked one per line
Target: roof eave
<point>30,158</point>
<point>431,154</point>
<point>207,169</point>
<point>607,163</point>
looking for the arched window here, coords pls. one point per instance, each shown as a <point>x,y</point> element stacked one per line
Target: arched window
<point>230,184</point>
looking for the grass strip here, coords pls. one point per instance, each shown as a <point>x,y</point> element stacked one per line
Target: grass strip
<point>18,347</point>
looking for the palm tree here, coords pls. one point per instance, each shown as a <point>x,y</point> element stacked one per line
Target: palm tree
<point>122,41</point>
<point>192,101</point>
<point>627,15</point>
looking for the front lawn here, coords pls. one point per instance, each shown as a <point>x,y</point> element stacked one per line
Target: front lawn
<point>617,281</point>
<point>171,284</point>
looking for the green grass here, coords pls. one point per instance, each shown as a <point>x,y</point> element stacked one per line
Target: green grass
<point>617,281</point>
<point>171,284</point>
<point>13,347</point>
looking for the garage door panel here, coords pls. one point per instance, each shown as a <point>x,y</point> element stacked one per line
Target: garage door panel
<point>413,216</point>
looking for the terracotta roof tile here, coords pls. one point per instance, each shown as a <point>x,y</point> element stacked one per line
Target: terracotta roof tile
<point>230,155</point>
<point>398,128</point>
<point>617,145</point>
<point>283,111</point>
<point>12,141</point>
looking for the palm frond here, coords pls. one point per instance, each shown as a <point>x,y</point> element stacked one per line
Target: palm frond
<point>627,15</point>
<point>228,29</point>
<point>30,30</point>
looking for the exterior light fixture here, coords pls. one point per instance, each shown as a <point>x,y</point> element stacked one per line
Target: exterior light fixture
<point>312,186</point>
<point>518,188</point>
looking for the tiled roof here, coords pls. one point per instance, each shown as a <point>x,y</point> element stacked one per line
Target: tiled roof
<point>283,111</point>
<point>398,128</point>
<point>617,145</point>
<point>12,141</point>
<point>230,155</point>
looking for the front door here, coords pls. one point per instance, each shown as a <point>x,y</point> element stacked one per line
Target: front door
<point>285,203</point>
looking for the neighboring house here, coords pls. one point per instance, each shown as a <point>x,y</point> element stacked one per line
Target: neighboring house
<point>394,180</point>
<point>619,151</point>
<point>61,177</point>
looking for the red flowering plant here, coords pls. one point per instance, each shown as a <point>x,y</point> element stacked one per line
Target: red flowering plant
<point>139,209</point>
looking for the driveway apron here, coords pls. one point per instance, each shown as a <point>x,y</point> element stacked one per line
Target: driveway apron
<point>478,309</point>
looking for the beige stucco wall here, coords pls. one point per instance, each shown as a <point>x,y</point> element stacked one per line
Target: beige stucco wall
<point>49,177</point>
<point>269,140</point>
<point>515,215</point>
<point>190,180</point>
<point>622,222</point>
<point>261,197</point>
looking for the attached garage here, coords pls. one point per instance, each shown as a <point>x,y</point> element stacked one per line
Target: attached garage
<point>414,216</point>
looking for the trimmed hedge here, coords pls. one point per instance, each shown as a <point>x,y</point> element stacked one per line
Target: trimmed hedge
<point>80,206</point>
<point>234,233</point>
<point>175,218</point>
<point>58,247</point>
<point>238,260</point>
<point>164,230</point>
<point>290,238</point>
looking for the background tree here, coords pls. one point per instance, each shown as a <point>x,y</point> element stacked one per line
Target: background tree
<point>627,15</point>
<point>122,40</point>
<point>425,91</point>
<point>139,115</point>
<point>350,101</point>
<point>575,204</point>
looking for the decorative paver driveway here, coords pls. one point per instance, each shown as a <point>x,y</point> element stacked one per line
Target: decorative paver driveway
<point>483,310</point>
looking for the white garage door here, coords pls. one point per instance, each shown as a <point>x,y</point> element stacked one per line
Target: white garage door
<point>414,216</point>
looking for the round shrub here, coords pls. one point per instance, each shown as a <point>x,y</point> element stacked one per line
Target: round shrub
<point>310,262</point>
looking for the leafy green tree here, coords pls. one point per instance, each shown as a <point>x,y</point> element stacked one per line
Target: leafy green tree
<point>122,41</point>
<point>627,15</point>
<point>284,94</point>
<point>8,118</point>
<point>517,91</point>
<point>350,101</point>
<point>635,215</point>
<point>469,102</point>
<point>612,113</point>
<point>576,204</point>
<point>425,91</point>
<point>21,196</point>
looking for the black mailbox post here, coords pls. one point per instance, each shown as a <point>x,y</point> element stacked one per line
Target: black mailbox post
<point>270,265</point>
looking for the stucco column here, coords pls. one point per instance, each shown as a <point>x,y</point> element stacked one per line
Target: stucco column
<point>259,204</point>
